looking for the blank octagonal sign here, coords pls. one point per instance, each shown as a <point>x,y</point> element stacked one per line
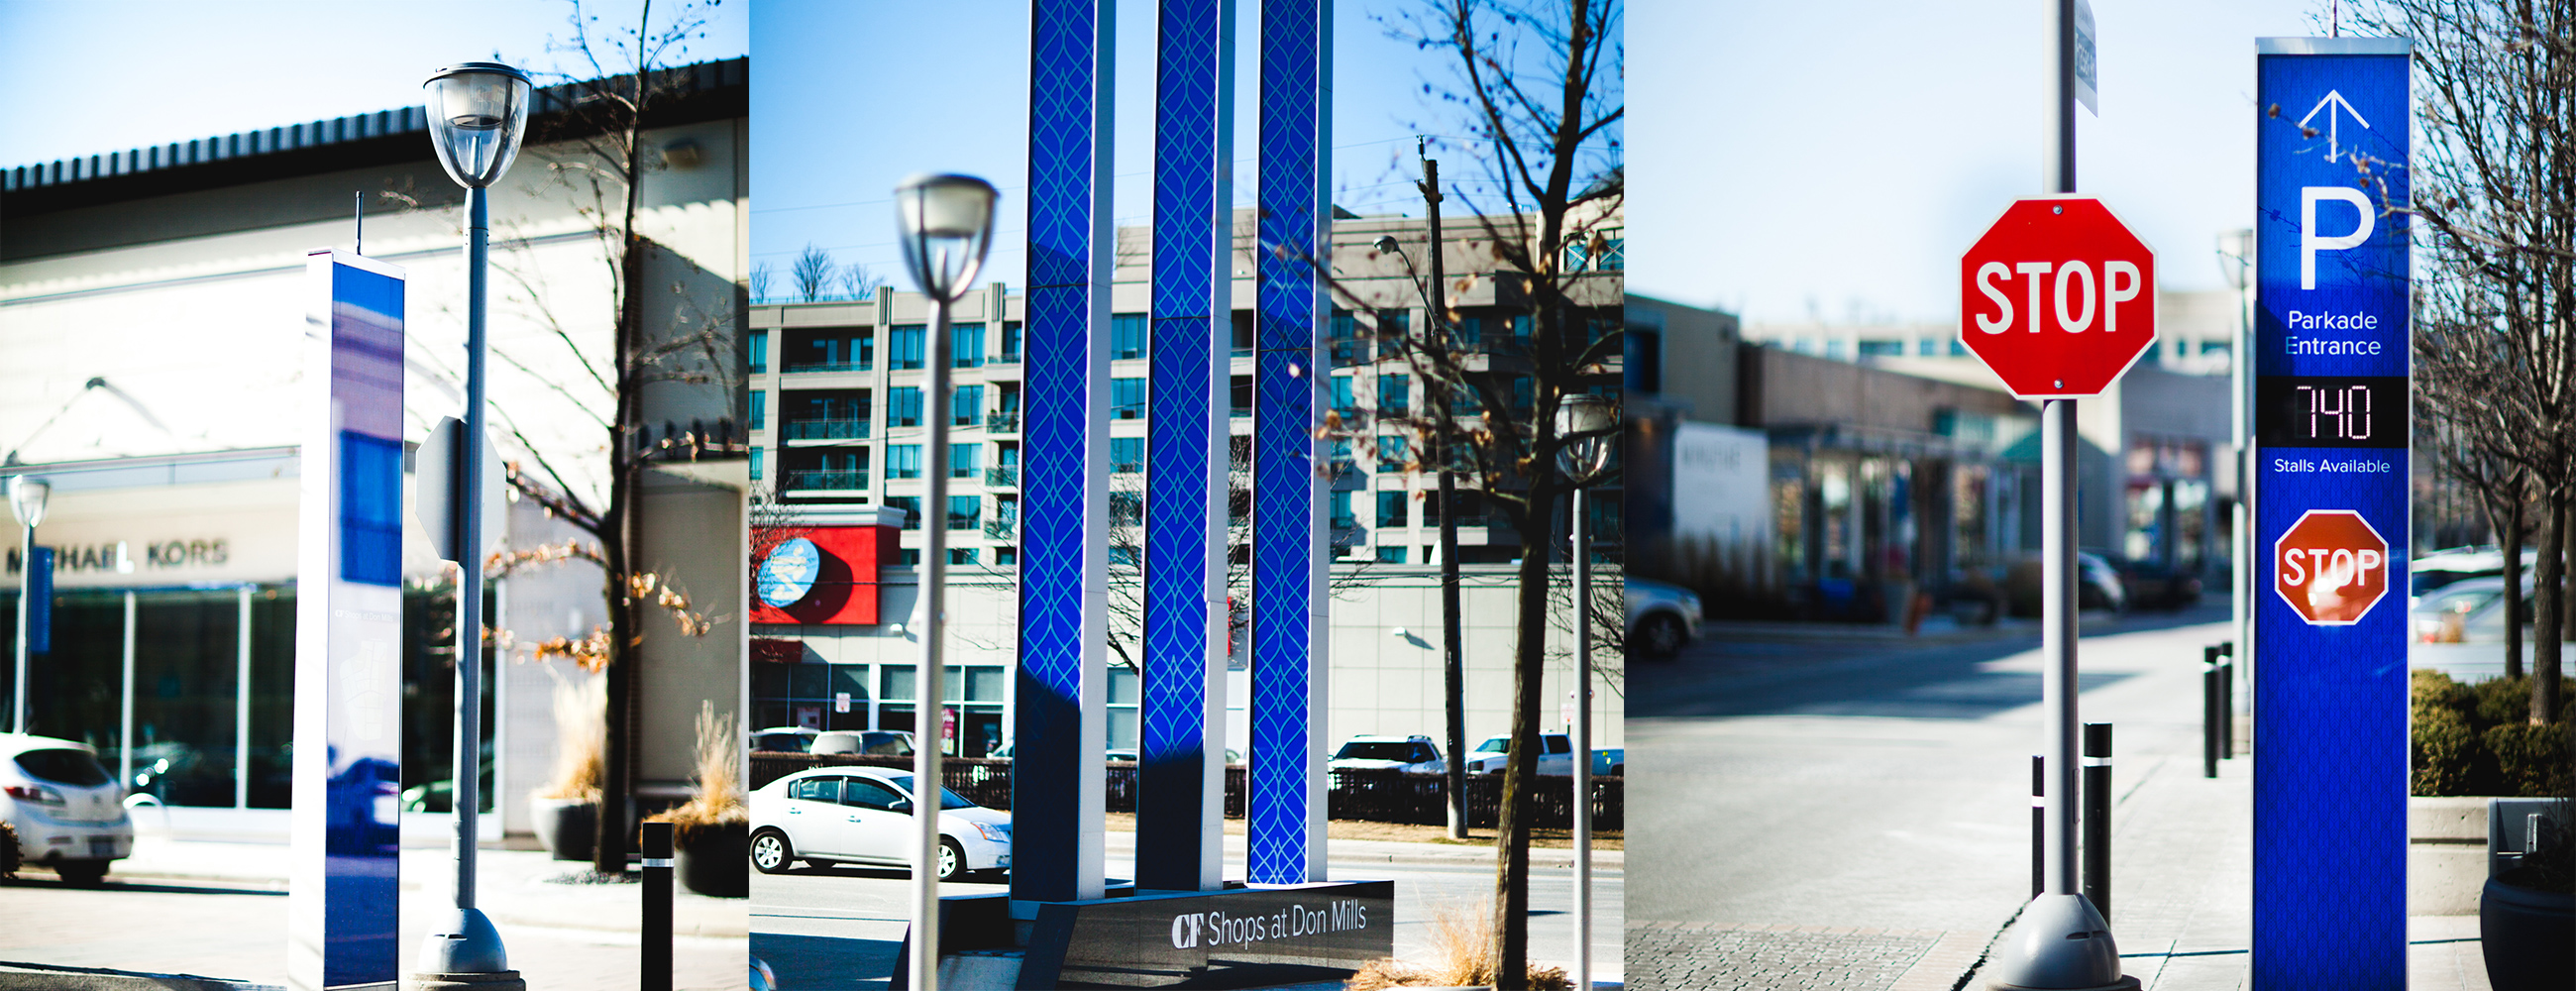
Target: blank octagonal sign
<point>2058,298</point>
<point>2331,567</point>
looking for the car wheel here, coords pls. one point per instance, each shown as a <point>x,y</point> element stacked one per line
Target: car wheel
<point>82,873</point>
<point>952,859</point>
<point>771,852</point>
<point>1618,770</point>
<point>1660,636</point>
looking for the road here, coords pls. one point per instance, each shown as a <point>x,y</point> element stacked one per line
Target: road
<point>1806,780</point>
<point>839,927</point>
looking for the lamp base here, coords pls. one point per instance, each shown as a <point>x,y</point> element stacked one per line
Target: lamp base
<point>507,980</point>
<point>2060,944</point>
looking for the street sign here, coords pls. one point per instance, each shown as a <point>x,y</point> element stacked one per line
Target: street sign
<point>2058,298</point>
<point>2331,567</point>
<point>2330,362</point>
<point>2087,73</point>
<point>437,468</point>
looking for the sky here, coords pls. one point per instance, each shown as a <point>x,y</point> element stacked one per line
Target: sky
<point>853,97</point>
<point>1794,161</point>
<point>108,75</point>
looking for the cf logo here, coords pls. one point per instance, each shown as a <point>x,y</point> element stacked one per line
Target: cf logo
<point>1185,930</point>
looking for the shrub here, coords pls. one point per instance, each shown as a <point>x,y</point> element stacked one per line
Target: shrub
<point>581,736</point>
<point>2530,761</point>
<point>1462,955</point>
<point>2442,745</point>
<point>718,801</point>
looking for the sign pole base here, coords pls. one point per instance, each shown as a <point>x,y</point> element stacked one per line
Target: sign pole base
<point>2060,944</point>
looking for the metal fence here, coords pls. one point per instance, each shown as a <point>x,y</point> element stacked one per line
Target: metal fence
<point>1376,796</point>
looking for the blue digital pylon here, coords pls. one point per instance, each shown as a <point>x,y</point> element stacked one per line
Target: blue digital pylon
<point>1058,767</point>
<point>1180,800</point>
<point>1285,809</point>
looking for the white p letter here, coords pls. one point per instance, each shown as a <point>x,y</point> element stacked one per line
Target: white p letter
<point>2310,243</point>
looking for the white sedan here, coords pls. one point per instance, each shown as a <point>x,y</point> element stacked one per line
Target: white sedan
<point>863,815</point>
<point>67,810</point>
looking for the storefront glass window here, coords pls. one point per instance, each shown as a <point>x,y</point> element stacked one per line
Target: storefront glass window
<point>186,673</point>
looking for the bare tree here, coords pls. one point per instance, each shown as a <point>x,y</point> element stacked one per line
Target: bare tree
<point>859,282</point>
<point>761,276</point>
<point>1538,87</point>
<point>812,273</point>
<point>2494,183</point>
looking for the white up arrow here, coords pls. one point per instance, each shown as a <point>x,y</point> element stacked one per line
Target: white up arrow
<point>2334,144</point>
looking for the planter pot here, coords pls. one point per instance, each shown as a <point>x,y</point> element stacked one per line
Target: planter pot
<point>566,827</point>
<point>2523,932</point>
<point>716,862</point>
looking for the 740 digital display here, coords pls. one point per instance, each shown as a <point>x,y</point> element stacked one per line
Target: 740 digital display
<point>2337,411</point>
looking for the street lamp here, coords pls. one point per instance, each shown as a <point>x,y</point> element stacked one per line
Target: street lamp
<point>26,499</point>
<point>945,223</point>
<point>477,113</point>
<point>1585,424</point>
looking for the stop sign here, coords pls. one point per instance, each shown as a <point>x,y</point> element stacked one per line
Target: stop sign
<point>2331,567</point>
<point>2058,298</point>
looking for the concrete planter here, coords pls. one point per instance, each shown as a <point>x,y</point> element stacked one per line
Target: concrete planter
<point>566,827</point>
<point>2446,854</point>
<point>716,862</point>
<point>2523,933</point>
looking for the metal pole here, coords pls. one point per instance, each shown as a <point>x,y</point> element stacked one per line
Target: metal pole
<point>2227,701</point>
<point>2209,713</point>
<point>927,692</point>
<point>1582,748</point>
<point>2057,539</point>
<point>1452,627</point>
<point>2038,825</point>
<point>2097,817</point>
<point>125,702</point>
<point>26,581</point>
<point>655,960</point>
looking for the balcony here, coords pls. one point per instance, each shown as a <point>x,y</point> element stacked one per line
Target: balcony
<point>1003,421</point>
<point>828,479</point>
<point>965,521</point>
<point>1346,523</point>
<point>826,429</point>
<point>1004,358</point>
<point>1002,529</point>
<point>1006,476</point>
<point>798,367</point>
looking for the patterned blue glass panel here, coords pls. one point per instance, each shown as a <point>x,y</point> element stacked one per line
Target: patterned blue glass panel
<point>1184,466</point>
<point>1065,146</point>
<point>1292,169</point>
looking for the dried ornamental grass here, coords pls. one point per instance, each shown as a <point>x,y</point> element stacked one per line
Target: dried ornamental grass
<point>1462,956</point>
<point>718,802</point>
<point>581,735</point>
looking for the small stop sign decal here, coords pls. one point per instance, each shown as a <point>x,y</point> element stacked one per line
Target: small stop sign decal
<point>2331,567</point>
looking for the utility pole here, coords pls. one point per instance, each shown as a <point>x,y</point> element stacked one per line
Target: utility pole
<point>1454,674</point>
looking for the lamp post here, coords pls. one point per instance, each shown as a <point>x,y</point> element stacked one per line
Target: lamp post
<point>477,113</point>
<point>945,223</point>
<point>1586,423</point>
<point>1453,664</point>
<point>26,499</point>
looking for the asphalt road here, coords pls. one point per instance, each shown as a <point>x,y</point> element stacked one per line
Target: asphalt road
<point>1876,783</point>
<point>840,927</point>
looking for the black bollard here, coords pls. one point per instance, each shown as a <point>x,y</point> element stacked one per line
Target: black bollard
<point>2227,700</point>
<point>656,931</point>
<point>2209,711</point>
<point>2038,825</point>
<point>2097,817</point>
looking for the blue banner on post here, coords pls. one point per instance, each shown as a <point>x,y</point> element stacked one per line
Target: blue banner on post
<point>2331,364</point>
<point>40,601</point>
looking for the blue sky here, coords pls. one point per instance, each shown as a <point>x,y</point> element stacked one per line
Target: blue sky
<point>1835,159</point>
<point>107,75</point>
<point>852,97</point>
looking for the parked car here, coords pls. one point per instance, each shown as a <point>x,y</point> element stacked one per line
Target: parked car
<point>1662,618</point>
<point>1612,761</point>
<point>864,815</point>
<point>1556,756</point>
<point>2098,585</point>
<point>2435,571</point>
<point>1413,754</point>
<point>68,811</point>
<point>784,739</point>
<point>2470,610</point>
<point>2156,585</point>
<point>873,742</point>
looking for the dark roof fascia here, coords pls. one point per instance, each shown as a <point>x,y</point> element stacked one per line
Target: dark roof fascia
<point>702,92</point>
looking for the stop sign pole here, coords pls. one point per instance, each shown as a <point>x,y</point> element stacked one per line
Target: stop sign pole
<point>2061,941</point>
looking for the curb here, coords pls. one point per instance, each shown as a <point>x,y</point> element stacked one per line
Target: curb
<point>38,977</point>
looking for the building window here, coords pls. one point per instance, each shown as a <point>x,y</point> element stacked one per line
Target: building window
<point>903,346</point>
<point>1645,364</point>
<point>966,406</point>
<point>903,406</point>
<point>1343,338</point>
<point>759,409</point>
<point>1345,402</point>
<point>911,506</point>
<point>1011,341</point>
<point>1126,455</point>
<point>1605,251</point>
<point>966,345</point>
<point>903,461</point>
<point>1394,394</point>
<point>961,555</point>
<point>1393,508</point>
<point>1390,555</point>
<point>1391,453</point>
<point>1343,463</point>
<point>831,349</point>
<point>755,464</point>
<point>759,351</point>
<point>965,512</point>
<point>1127,399</point>
<point>962,460</point>
<point>1344,518</point>
<point>1122,556</point>
<point>1125,689</point>
<point>1006,557</point>
<point>1392,326</point>
<point>825,469</point>
<point>1127,335</point>
<point>909,557</point>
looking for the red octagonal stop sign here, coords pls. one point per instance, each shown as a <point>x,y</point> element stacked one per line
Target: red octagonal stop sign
<point>2331,567</point>
<point>2058,298</point>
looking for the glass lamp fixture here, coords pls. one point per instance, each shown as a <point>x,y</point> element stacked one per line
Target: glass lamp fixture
<point>946,224</point>
<point>477,113</point>
<point>1586,423</point>
<point>27,499</point>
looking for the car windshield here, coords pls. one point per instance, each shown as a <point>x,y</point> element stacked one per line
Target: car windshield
<point>63,766</point>
<point>1497,745</point>
<point>2458,602</point>
<point>1376,750</point>
<point>790,743</point>
<point>948,800</point>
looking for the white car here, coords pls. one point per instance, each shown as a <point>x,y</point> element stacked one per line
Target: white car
<point>863,815</point>
<point>68,811</point>
<point>1413,754</point>
<point>873,742</point>
<point>1555,758</point>
<point>1662,618</point>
